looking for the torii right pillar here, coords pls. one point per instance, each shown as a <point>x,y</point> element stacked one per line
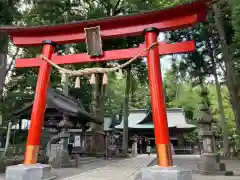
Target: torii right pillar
<point>162,139</point>
<point>165,169</point>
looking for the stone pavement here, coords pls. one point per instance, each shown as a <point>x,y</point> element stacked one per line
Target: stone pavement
<point>126,169</point>
<point>200,177</point>
<point>190,162</point>
<point>129,169</point>
<point>83,168</point>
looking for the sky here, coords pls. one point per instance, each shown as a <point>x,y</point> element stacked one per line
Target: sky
<point>166,61</point>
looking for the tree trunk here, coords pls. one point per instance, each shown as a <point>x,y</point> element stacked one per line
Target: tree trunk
<point>126,111</point>
<point>98,111</point>
<point>229,64</point>
<point>3,60</point>
<point>20,126</point>
<point>6,19</point>
<point>121,112</point>
<point>65,81</point>
<point>7,138</point>
<point>219,96</point>
<point>3,67</point>
<point>222,116</point>
<point>101,138</point>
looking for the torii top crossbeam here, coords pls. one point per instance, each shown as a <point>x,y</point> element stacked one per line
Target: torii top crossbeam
<point>112,27</point>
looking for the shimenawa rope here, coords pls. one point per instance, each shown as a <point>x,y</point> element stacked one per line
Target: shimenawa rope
<point>89,71</point>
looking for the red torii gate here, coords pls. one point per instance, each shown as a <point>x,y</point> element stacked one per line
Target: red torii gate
<point>113,27</point>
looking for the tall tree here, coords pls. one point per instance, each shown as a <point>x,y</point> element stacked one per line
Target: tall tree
<point>8,13</point>
<point>126,110</point>
<point>219,95</point>
<point>229,65</point>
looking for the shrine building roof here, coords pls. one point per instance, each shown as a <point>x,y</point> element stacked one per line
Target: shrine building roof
<point>57,105</point>
<point>142,119</point>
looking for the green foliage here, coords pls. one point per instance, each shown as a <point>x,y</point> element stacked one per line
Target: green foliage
<point>191,137</point>
<point>182,95</point>
<point>227,108</point>
<point>115,94</point>
<point>9,11</point>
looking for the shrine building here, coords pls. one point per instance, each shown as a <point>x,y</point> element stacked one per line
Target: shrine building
<point>140,123</point>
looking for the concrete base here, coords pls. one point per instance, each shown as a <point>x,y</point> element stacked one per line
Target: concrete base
<point>29,172</point>
<point>166,173</point>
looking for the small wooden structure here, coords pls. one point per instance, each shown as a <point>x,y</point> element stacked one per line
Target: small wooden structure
<point>57,105</point>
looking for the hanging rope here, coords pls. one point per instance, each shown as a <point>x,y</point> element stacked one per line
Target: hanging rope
<point>94,70</point>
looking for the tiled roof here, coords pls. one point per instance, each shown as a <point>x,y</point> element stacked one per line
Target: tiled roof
<point>62,104</point>
<point>142,119</point>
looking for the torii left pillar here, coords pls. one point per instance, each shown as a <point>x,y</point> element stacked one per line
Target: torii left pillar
<point>39,106</point>
<point>31,170</point>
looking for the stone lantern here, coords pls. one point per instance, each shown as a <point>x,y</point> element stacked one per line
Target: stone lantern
<point>134,145</point>
<point>64,125</point>
<point>61,156</point>
<point>209,159</point>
